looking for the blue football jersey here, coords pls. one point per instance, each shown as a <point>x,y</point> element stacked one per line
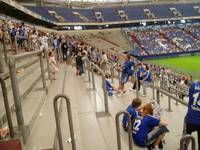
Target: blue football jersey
<point>142,127</point>
<point>193,113</point>
<point>134,114</point>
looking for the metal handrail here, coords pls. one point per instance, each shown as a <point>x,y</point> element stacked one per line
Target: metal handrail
<point>185,141</point>
<point>103,85</point>
<point>15,85</point>
<point>118,129</point>
<point>7,107</point>
<point>88,69</point>
<point>28,54</point>
<point>159,90</point>
<point>58,126</point>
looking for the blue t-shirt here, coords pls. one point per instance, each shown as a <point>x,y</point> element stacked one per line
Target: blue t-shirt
<point>141,71</point>
<point>148,76</point>
<point>142,127</point>
<point>134,114</point>
<point>193,113</point>
<point>108,86</point>
<point>128,66</point>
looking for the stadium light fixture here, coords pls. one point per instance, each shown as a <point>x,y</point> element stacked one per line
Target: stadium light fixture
<point>77,27</point>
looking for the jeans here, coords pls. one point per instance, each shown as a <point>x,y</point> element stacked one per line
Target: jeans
<point>145,85</point>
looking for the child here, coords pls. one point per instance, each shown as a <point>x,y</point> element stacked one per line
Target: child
<point>132,110</point>
<point>149,131</point>
<point>109,87</point>
<point>127,71</point>
<point>53,64</point>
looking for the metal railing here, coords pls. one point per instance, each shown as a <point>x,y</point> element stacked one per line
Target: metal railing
<point>118,130</point>
<point>58,126</point>
<point>15,84</point>
<point>170,96</point>
<point>87,65</point>
<point>185,140</point>
<point>103,85</point>
<point>7,107</point>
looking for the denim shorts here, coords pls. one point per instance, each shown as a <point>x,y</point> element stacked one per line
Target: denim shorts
<point>154,134</point>
<point>124,78</point>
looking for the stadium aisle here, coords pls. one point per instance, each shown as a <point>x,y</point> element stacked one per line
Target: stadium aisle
<point>92,132</point>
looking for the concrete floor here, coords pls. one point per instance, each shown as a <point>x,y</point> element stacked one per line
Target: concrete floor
<point>92,132</point>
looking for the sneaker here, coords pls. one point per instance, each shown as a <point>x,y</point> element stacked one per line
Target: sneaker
<point>124,92</point>
<point>131,90</point>
<point>155,148</point>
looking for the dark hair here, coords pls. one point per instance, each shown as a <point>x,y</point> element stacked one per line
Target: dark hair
<point>50,53</point>
<point>128,56</point>
<point>107,76</point>
<point>136,102</point>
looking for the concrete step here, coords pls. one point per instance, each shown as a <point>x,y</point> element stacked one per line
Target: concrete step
<point>43,132</point>
<point>25,87</point>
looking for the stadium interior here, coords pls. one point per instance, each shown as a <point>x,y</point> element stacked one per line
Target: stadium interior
<point>58,57</point>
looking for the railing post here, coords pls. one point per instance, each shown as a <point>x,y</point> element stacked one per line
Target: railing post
<point>137,87</point>
<point>153,89</point>
<point>7,107</point>
<point>16,94</point>
<point>158,96</point>
<point>118,76</point>
<point>42,72</point>
<point>169,101</point>
<point>4,49</point>
<point>177,94</point>
<point>93,79</point>
<point>88,69</point>
<point>185,141</point>
<point>112,72</point>
<point>105,94</point>
<point>16,46</point>
<point>48,64</point>
<point>58,126</point>
<point>118,130</point>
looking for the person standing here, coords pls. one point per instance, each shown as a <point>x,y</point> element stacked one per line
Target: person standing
<point>127,71</point>
<point>64,48</point>
<point>192,118</point>
<point>146,80</point>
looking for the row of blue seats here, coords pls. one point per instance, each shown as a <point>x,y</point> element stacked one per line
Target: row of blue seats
<point>111,14</point>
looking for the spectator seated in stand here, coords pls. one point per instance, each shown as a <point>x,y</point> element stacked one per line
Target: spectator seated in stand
<point>132,109</point>
<point>149,131</point>
<point>109,87</point>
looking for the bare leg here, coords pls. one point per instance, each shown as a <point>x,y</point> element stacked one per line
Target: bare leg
<point>159,139</point>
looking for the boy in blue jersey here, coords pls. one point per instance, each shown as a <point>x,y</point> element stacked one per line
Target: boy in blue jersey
<point>192,118</point>
<point>146,80</point>
<point>127,71</point>
<point>139,75</point>
<point>109,87</point>
<point>148,131</point>
<point>132,110</point>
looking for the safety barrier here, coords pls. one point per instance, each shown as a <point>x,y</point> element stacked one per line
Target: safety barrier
<point>58,126</point>
<point>185,140</point>
<point>15,85</point>
<point>7,107</point>
<point>118,130</point>
<point>170,96</point>
<point>94,66</point>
